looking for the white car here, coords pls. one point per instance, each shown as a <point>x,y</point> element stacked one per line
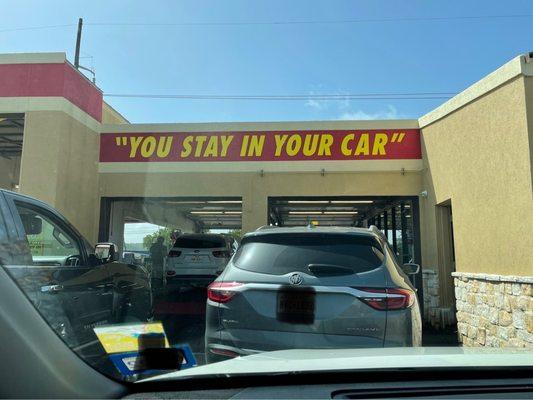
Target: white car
<point>198,258</point>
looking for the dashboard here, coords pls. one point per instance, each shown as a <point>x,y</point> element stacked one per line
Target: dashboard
<point>412,384</point>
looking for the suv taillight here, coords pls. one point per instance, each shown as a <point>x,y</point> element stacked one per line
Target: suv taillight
<point>222,292</point>
<point>174,253</point>
<point>224,352</point>
<point>221,254</point>
<point>394,299</point>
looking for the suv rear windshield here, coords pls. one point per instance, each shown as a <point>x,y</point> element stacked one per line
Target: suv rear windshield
<point>279,254</point>
<point>199,242</point>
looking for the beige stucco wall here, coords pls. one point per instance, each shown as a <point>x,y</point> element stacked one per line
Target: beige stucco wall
<point>479,158</point>
<point>255,189</point>
<point>9,172</point>
<point>112,116</point>
<point>529,107</point>
<point>60,166</point>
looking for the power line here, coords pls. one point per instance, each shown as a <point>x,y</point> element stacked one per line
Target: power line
<point>33,28</point>
<point>312,22</point>
<point>286,22</point>
<point>294,97</point>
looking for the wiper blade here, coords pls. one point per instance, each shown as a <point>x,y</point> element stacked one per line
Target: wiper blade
<point>329,270</point>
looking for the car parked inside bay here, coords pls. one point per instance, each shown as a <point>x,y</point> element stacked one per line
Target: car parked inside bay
<point>198,258</point>
<point>311,287</point>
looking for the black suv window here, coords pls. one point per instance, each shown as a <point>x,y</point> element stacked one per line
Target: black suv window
<point>48,241</point>
<point>280,254</point>
<point>200,242</point>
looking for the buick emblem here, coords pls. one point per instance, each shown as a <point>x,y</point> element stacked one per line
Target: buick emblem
<point>296,279</point>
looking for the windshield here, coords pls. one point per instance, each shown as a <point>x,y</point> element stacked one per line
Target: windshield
<point>195,184</point>
<point>281,254</point>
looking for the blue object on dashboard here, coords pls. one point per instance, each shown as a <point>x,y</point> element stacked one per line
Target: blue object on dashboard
<point>130,364</point>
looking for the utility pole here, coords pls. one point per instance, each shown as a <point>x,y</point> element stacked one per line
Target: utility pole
<point>77,54</point>
<point>78,44</point>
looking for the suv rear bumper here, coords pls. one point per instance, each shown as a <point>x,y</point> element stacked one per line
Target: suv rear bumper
<point>191,280</point>
<point>225,344</point>
<point>403,330</point>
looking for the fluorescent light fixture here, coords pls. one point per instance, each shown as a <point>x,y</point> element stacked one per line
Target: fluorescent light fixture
<point>225,201</point>
<point>206,212</point>
<point>186,202</point>
<point>307,202</point>
<point>340,212</point>
<point>322,212</point>
<point>352,201</point>
<point>233,212</point>
<point>304,216</point>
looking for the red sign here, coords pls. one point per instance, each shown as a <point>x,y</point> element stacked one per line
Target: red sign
<point>389,144</point>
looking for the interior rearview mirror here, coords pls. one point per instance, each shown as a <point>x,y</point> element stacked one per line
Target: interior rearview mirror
<point>411,268</point>
<point>106,252</point>
<point>32,225</point>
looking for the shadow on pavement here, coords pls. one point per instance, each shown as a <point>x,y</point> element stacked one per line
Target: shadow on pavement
<point>446,337</point>
<point>182,312</point>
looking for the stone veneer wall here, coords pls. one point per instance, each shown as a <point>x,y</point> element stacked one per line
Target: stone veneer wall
<point>431,295</point>
<point>494,310</point>
<point>435,315</point>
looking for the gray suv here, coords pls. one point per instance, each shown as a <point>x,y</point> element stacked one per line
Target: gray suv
<point>311,287</point>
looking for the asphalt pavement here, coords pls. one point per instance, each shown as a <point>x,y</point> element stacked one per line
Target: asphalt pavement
<point>181,309</point>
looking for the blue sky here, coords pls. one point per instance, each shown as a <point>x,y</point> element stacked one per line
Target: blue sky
<point>371,57</point>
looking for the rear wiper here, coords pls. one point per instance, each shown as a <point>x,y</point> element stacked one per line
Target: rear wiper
<point>329,270</point>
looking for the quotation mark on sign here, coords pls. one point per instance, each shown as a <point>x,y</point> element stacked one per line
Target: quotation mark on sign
<point>121,140</point>
<point>397,137</point>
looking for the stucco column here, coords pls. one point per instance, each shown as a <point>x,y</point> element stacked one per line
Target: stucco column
<point>39,169</point>
<point>254,211</point>
<point>116,231</point>
<point>59,166</point>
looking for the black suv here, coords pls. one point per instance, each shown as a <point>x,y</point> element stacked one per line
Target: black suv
<point>75,287</point>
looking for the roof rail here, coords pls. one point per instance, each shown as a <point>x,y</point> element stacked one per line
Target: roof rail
<point>261,228</point>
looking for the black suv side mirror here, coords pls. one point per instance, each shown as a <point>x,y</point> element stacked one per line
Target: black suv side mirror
<point>32,224</point>
<point>411,268</point>
<point>106,252</point>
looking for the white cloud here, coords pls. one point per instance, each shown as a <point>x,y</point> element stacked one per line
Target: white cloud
<point>316,104</point>
<point>390,113</point>
<point>345,109</point>
<point>341,104</point>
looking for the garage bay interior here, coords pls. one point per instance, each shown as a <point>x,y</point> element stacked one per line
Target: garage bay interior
<point>396,216</point>
<point>11,134</point>
<point>182,214</point>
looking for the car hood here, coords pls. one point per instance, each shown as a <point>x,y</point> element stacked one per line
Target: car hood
<point>306,360</point>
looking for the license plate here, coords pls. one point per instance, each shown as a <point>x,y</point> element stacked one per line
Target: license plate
<point>296,306</point>
<point>197,258</point>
